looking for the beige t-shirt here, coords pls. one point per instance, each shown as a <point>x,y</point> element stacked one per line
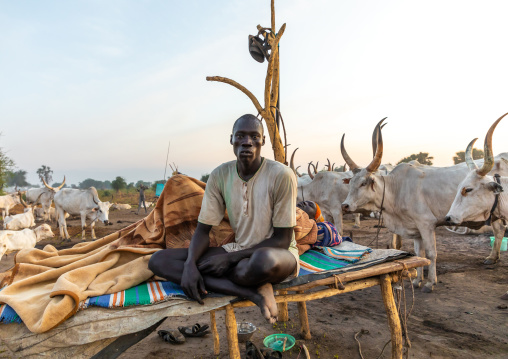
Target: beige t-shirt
<point>255,207</point>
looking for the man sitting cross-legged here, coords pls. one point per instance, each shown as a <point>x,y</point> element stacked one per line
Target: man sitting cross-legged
<point>260,198</point>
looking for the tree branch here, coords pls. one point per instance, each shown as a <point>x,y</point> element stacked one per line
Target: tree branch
<point>241,88</point>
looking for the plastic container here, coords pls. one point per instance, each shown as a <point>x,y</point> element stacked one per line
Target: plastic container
<point>245,331</point>
<point>276,342</point>
<point>504,243</point>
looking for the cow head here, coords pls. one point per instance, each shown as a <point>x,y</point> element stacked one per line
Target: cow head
<point>476,193</point>
<point>101,211</point>
<point>362,187</point>
<point>43,231</point>
<point>53,190</point>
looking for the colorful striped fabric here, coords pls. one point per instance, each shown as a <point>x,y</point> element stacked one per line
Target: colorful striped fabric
<point>312,261</point>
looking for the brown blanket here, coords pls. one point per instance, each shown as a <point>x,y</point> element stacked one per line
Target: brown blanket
<point>46,286</point>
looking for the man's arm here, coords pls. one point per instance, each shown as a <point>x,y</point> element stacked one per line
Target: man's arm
<point>192,282</point>
<point>220,264</point>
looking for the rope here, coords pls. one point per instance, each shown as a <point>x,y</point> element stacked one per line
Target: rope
<point>361,332</point>
<point>380,220</point>
<point>338,282</point>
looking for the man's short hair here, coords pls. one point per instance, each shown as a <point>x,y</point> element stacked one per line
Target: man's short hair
<point>249,117</point>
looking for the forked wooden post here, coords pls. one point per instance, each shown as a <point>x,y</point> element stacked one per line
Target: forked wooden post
<point>393,315</point>
<point>283,308</point>
<point>232,332</point>
<point>304,319</point>
<point>215,333</point>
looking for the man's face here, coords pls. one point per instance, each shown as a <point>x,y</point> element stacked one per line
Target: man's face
<point>247,140</point>
<point>308,207</point>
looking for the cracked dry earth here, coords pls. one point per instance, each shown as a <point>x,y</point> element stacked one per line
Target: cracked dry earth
<point>462,318</point>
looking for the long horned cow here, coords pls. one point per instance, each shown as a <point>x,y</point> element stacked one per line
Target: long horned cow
<point>414,201</point>
<point>44,196</point>
<point>85,203</point>
<point>480,196</point>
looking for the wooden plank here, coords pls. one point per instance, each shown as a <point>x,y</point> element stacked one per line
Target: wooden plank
<point>283,309</point>
<point>124,342</point>
<point>304,320</point>
<point>393,316</point>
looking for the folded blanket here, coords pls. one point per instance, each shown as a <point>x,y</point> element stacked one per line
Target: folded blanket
<point>346,251</point>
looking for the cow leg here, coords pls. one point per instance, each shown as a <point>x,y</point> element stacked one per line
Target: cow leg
<point>397,242</point>
<point>357,220</point>
<point>429,244</point>
<point>419,271</point>
<point>83,226</point>
<point>61,224</point>
<point>92,225</point>
<point>337,220</point>
<point>499,228</point>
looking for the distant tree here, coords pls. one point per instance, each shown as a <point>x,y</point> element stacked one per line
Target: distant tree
<point>90,182</point>
<point>140,182</point>
<point>205,177</point>
<point>56,184</point>
<point>422,157</point>
<point>17,178</point>
<point>118,183</point>
<point>461,156</point>
<point>74,186</point>
<point>6,165</point>
<point>130,185</point>
<point>339,169</point>
<point>46,173</point>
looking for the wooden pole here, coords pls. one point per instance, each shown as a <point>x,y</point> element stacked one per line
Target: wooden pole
<point>215,333</point>
<point>232,332</point>
<point>304,320</point>
<point>283,309</point>
<point>393,316</point>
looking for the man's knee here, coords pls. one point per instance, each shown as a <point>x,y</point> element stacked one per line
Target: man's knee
<point>155,262</point>
<point>265,261</point>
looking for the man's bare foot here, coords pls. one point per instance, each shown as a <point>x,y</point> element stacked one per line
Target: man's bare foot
<point>265,300</point>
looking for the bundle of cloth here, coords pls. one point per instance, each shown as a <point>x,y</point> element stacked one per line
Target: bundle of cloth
<point>45,287</point>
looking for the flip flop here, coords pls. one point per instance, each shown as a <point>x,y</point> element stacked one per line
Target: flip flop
<point>195,331</point>
<point>172,336</point>
<point>269,353</point>
<point>252,352</point>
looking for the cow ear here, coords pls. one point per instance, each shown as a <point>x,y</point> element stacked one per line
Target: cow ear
<point>494,187</point>
<point>94,209</point>
<point>346,180</point>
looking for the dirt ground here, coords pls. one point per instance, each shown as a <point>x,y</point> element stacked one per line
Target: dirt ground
<point>463,318</point>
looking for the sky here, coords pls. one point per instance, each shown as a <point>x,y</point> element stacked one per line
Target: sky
<point>97,89</point>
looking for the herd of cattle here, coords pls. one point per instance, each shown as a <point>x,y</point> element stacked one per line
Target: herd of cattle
<point>414,199</point>
<point>17,233</point>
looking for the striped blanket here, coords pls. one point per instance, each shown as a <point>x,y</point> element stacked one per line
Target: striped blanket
<point>315,260</point>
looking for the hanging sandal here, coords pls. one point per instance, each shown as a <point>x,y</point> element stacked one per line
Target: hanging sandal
<point>172,336</point>
<point>195,331</point>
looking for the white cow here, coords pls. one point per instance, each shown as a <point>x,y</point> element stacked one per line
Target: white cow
<point>44,196</point>
<point>22,220</point>
<point>121,206</point>
<point>476,194</point>
<point>40,213</point>
<point>415,201</point>
<point>11,241</point>
<point>7,202</point>
<point>85,203</point>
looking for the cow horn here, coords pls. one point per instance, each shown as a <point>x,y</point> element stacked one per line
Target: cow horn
<point>308,171</point>
<point>296,171</point>
<point>316,167</point>
<point>36,201</point>
<point>329,165</point>
<point>21,199</point>
<point>488,161</point>
<point>48,186</point>
<point>376,161</point>
<point>352,165</point>
<point>333,167</point>
<point>344,169</point>
<point>374,136</point>
<point>292,162</point>
<point>469,156</point>
<point>60,187</point>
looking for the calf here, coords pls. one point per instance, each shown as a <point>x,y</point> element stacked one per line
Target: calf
<point>11,241</point>
<point>7,202</point>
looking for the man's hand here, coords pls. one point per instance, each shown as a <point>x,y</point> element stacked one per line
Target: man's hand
<point>192,283</point>
<point>217,265</point>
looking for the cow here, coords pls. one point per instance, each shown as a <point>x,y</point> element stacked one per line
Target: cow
<point>414,201</point>
<point>481,197</point>
<point>7,202</point>
<point>85,203</point>
<point>40,213</point>
<point>120,206</point>
<point>44,196</point>
<point>11,241</point>
<point>22,220</point>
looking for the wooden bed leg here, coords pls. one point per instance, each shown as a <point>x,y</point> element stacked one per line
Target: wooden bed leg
<point>304,319</point>
<point>215,333</point>
<point>232,332</point>
<point>393,316</point>
<point>283,309</point>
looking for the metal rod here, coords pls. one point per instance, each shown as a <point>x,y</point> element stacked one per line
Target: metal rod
<point>167,156</point>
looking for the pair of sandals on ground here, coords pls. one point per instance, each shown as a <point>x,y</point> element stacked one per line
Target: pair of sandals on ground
<point>178,336</point>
